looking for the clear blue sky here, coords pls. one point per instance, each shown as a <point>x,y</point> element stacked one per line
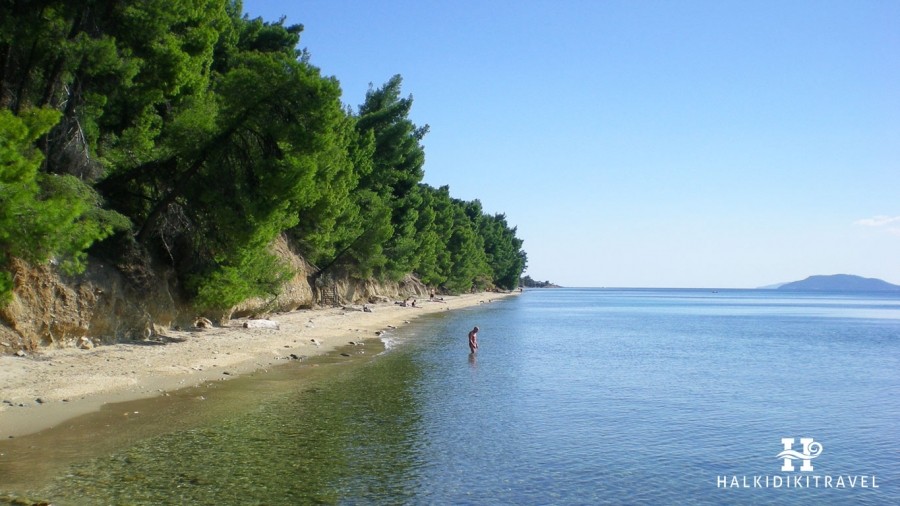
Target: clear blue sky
<point>647,143</point>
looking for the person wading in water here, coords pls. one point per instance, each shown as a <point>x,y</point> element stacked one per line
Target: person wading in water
<point>473,340</point>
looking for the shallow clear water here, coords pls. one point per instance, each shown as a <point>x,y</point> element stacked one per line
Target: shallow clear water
<point>577,396</point>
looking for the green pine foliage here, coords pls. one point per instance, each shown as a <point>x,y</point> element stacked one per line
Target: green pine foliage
<point>199,135</point>
<point>397,161</point>
<point>43,216</point>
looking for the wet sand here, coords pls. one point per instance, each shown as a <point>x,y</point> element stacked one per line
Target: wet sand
<point>43,390</point>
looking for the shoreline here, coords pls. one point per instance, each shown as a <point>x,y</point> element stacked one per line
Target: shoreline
<point>52,386</point>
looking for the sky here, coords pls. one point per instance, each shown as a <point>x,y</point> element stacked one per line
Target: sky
<point>642,143</point>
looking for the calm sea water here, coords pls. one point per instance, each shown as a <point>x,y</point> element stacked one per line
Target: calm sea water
<point>577,396</point>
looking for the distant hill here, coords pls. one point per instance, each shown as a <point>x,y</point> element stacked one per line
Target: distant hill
<point>841,283</point>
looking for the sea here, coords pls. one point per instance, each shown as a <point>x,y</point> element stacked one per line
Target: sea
<point>575,396</point>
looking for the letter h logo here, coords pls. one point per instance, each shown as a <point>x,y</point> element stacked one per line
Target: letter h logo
<point>811,450</point>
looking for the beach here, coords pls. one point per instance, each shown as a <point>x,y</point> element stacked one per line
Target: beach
<point>44,389</point>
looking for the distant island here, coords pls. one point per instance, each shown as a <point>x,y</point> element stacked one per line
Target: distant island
<point>840,283</point>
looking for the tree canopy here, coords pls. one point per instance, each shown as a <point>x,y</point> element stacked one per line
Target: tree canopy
<point>195,135</point>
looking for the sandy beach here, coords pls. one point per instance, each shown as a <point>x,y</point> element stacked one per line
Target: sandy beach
<point>42,390</point>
